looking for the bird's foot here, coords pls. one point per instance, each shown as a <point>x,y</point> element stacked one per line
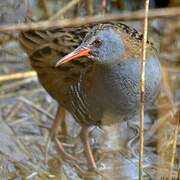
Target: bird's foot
<point>94,174</point>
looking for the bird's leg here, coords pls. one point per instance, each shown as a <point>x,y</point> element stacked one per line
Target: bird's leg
<point>63,124</point>
<point>60,119</point>
<point>87,148</point>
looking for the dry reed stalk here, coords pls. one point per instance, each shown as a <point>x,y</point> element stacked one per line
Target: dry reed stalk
<point>164,147</point>
<point>164,123</point>
<point>103,6</point>
<point>89,7</point>
<point>127,16</point>
<point>159,124</point>
<point>76,161</point>
<point>63,10</point>
<point>16,76</point>
<point>9,87</point>
<point>14,111</point>
<point>142,88</point>
<point>174,146</point>
<point>22,93</point>
<point>45,8</point>
<point>38,108</point>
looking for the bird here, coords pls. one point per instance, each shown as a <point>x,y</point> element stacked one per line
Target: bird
<point>108,91</point>
<point>73,84</point>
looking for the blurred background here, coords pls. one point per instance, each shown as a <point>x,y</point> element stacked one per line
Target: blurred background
<point>27,111</point>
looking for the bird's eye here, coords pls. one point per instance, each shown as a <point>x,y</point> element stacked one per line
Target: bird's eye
<point>98,42</point>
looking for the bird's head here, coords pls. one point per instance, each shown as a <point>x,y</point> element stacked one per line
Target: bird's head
<point>101,45</point>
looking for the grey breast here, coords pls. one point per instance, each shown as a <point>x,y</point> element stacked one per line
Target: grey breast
<point>116,89</point>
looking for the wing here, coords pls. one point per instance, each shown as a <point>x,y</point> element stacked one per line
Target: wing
<point>44,48</point>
